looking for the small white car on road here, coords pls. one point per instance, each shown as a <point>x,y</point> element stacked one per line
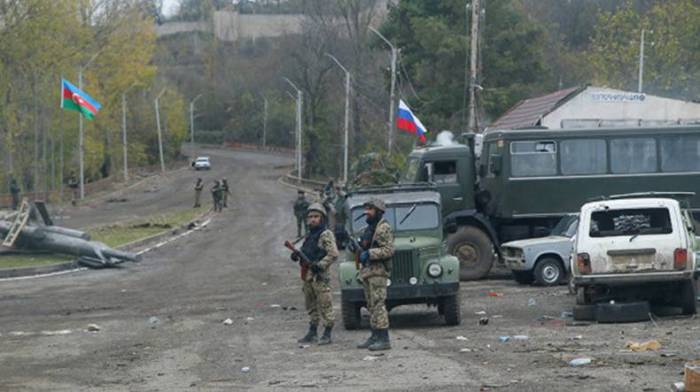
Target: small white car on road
<point>201,163</point>
<point>635,248</point>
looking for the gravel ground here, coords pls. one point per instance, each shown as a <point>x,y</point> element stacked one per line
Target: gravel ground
<point>160,321</point>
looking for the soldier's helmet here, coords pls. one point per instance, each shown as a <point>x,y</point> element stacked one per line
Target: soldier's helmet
<point>376,203</point>
<point>318,208</point>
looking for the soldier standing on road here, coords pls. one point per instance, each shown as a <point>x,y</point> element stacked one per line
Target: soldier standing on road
<point>320,248</point>
<point>73,185</point>
<point>378,244</point>
<point>300,207</point>
<point>216,193</point>
<point>198,187</point>
<point>14,192</point>
<point>225,192</point>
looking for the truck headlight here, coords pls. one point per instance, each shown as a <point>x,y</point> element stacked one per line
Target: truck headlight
<point>434,270</point>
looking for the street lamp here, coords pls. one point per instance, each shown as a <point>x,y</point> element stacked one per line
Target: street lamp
<point>81,136</point>
<point>300,103</point>
<point>347,116</point>
<point>392,98</point>
<point>124,144</point>
<point>192,118</point>
<point>160,133</point>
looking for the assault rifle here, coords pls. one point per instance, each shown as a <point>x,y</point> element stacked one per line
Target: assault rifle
<point>356,249</point>
<point>304,261</point>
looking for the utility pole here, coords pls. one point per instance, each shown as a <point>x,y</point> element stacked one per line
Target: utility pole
<point>347,116</point>
<point>641,62</point>
<point>192,118</point>
<point>81,136</point>
<point>160,133</point>
<point>473,124</point>
<point>264,138</point>
<point>392,94</point>
<point>300,103</point>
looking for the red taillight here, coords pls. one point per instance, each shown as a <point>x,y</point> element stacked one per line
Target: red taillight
<point>583,262</point>
<point>680,258</point>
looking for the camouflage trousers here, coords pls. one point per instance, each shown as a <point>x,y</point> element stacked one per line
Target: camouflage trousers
<point>375,295</point>
<point>318,299</point>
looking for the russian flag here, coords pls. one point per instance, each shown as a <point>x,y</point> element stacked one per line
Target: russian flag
<point>72,98</point>
<point>408,122</point>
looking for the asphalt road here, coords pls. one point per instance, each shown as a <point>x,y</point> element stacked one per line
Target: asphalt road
<point>161,320</point>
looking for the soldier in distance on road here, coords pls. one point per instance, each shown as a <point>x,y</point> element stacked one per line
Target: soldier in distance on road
<point>300,207</point>
<point>320,248</point>
<point>14,192</point>
<point>216,194</point>
<point>225,192</point>
<point>198,187</point>
<point>73,184</point>
<point>378,247</point>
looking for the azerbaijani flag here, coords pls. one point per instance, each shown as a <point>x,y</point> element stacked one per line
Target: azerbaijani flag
<point>74,99</point>
<point>408,122</point>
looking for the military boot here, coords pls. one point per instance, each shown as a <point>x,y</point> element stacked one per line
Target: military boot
<point>311,335</point>
<point>371,339</point>
<point>326,338</point>
<point>382,342</point>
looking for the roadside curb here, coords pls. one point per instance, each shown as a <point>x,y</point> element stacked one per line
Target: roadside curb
<point>73,265</point>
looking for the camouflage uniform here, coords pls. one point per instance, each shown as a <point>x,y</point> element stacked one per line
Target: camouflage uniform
<point>374,274</point>
<point>216,194</point>
<point>198,187</point>
<point>300,207</point>
<point>317,288</point>
<point>225,192</point>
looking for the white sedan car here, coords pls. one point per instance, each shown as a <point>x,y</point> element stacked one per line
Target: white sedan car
<point>201,163</point>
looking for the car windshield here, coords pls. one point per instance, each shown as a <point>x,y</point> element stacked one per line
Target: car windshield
<point>639,221</point>
<point>202,159</point>
<point>405,217</point>
<point>566,227</point>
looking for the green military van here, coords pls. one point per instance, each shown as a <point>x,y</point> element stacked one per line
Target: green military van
<point>422,273</point>
<point>526,180</point>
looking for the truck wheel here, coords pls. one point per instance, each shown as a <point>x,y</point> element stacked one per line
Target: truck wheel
<point>522,277</point>
<point>474,250</point>
<point>549,272</point>
<point>452,310</point>
<point>351,315</point>
<point>688,297</point>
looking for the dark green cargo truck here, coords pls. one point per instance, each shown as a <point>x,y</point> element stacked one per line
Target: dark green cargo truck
<point>526,180</point>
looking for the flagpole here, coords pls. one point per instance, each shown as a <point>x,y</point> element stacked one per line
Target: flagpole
<point>81,136</point>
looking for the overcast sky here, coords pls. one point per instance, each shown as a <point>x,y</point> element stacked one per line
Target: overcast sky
<point>169,7</point>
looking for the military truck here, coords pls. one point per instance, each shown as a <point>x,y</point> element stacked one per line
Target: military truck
<point>422,273</point>
<point>526,180</point>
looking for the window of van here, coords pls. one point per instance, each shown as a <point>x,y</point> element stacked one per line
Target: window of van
<point>533,158</point>
<point>445,172</point>
<point>680,153</point>
<point>633,155</point>
<point>585,156</point>
<point>640,221</point>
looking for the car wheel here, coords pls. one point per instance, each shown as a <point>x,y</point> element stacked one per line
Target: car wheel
<point>626,312</point>
<point>452,310</point>
<point>474,250</point>
<point>351,315</point>
<point>688,297</point>
<point>523,277</point>
<point>582,298</point>
<point>549,272</point>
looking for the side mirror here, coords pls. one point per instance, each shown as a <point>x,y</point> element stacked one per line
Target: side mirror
<point>496,163</point>
<point>451,228</point>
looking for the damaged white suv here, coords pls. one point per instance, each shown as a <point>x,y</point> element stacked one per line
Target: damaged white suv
<point>638,247</point>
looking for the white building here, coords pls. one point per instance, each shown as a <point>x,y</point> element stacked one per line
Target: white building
<point>592,107</point>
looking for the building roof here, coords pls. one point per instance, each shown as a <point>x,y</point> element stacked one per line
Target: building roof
<point>529,112</point>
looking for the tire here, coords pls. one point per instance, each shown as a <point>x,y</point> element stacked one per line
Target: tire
<point>549,272</point>
<point>688,300</point>
<point>582,298</point>
<point>584,312</point>
<point>523,277</point>
<point>452,310</point>
<point>351,315</point>
<point>626,312</point>
<point>474,250</point>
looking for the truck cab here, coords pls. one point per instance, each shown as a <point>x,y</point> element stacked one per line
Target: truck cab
<point>421,271</point>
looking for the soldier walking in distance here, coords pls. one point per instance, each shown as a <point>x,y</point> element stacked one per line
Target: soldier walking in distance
<point>378,244</point>
<point>300,207</point>
<point>14,192</point>
<point>216,196</point>
<point>73,185</point>
<point>320,248</point>
<point>198,187</point>
<point>225,192</point>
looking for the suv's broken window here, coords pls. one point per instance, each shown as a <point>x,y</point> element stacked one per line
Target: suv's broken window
<point>642,221</point>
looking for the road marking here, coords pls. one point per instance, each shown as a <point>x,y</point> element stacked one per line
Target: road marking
<point>43,275</point>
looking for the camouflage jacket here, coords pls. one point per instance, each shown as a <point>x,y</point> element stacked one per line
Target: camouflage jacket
<point>381,250</point>
<point>326,242</point>
<point>300,206</point>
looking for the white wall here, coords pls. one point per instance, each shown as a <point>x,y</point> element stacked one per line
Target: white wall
<point>622,107</point>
